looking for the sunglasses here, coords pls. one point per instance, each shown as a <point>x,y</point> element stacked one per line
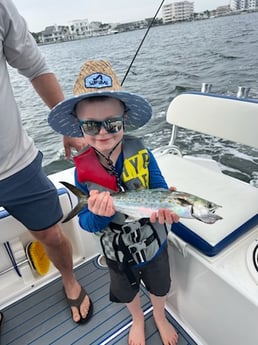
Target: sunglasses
<point>92,127</point>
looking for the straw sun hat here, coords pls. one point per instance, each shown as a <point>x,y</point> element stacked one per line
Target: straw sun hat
<point>97,78</point>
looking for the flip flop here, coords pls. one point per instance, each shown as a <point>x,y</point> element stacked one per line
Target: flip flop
<point>77,303</point>
<point>1,320</point>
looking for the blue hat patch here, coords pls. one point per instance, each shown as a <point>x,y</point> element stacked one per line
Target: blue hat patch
<point>98,80</point>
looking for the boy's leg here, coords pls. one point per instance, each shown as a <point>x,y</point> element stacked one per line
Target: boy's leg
<point>59,251</point>
<point>121,291</point>
<point>136,333</point>
<point>167,332</point>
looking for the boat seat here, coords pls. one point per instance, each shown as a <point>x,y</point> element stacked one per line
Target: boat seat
<point>16,229</point>
<point>225,117</point>
<point>238,199</point>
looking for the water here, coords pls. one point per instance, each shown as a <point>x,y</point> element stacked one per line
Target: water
<point>221,51</point>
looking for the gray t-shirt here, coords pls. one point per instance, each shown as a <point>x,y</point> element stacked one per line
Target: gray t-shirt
<point>19,49</point>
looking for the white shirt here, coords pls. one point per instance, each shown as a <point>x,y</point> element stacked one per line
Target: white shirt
<point>19,49</point>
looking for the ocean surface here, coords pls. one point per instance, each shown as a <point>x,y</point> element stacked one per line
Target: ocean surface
<point>173,58</point>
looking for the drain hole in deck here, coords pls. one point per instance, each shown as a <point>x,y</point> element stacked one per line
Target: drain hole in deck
<point>102,261</point>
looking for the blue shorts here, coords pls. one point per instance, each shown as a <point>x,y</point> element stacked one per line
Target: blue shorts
<point>31,198</point>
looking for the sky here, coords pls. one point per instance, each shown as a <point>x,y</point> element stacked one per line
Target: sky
<point>40,14</point>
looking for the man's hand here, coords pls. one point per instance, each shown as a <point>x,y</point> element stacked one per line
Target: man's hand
<point>72,142</point>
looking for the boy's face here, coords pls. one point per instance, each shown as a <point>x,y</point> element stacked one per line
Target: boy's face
<point>101,110</point>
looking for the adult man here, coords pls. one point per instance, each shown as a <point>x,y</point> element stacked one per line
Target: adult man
<point>25,191</point>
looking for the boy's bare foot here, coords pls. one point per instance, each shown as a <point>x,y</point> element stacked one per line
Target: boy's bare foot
<point>136,333</point>
<point>167,332</point>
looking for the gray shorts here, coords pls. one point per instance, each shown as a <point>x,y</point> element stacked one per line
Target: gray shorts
<point>155,275</point>
<point>31,198</point>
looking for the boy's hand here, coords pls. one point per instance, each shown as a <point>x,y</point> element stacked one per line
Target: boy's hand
<point>164,215</point>
<point>172,189</point>
<point>101,203</point>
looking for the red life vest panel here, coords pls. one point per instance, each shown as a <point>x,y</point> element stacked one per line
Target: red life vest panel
<point>89,169</point>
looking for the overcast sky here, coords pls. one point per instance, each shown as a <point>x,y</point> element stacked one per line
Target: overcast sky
<point>40,14</point>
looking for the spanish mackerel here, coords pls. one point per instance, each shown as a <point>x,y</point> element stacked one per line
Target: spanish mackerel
<point>137,204</point>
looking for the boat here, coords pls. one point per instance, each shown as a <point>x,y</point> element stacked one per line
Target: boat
<point>214,268</point>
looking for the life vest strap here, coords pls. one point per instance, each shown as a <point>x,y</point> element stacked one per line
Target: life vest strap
<point>138,246</point>
<point>128,227</point>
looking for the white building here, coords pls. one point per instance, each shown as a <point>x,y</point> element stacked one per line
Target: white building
<point>95,26</point>
<point>241,5</point>
<point>55,33</point>
<point>79,27</point>
<point>234,5</point>
<point>177,11</point>
<point>252,4</point>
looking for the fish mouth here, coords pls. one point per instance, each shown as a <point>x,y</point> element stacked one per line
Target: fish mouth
<point>209,218</point>
<point>213,210</point>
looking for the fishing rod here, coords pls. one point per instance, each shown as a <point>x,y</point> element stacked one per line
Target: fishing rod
<point>141,43</point>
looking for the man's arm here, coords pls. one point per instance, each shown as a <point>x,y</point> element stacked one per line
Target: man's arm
<point>51,93</point>
<point>48,89</point>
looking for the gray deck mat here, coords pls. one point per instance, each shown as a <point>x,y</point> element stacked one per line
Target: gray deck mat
<point>44,318</point>
<point>152,335</point>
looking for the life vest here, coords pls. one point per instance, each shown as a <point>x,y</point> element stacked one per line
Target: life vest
<point>89,169</point>
<point>129,243</point>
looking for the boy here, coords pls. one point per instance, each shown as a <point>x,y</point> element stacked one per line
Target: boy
<point>135,250</point>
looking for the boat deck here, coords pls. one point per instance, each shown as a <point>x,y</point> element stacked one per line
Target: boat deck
<point>44,317</point>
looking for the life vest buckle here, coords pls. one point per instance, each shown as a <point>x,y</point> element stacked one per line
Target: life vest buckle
<point>137,249</point>
<point>131,227</point>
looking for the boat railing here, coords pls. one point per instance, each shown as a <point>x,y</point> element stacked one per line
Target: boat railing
<point>167,149</point>
<point>206,87</point>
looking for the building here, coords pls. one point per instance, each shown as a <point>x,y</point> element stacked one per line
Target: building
<point>251,4</point>
<point>234,5</point>
<point>177,11</point>
<point>139,24</point>
<point>222,10</point>
<point>79,28</point>
<point>242,5</point>
<point>55,33</point>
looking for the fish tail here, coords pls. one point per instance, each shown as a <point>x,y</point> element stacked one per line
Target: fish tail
<point>82,200</point>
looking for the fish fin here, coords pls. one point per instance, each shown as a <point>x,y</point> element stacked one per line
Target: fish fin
<point>76,191</point>
<point>82,197</point>
<point>184,202</point>
<point>74,212</point>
